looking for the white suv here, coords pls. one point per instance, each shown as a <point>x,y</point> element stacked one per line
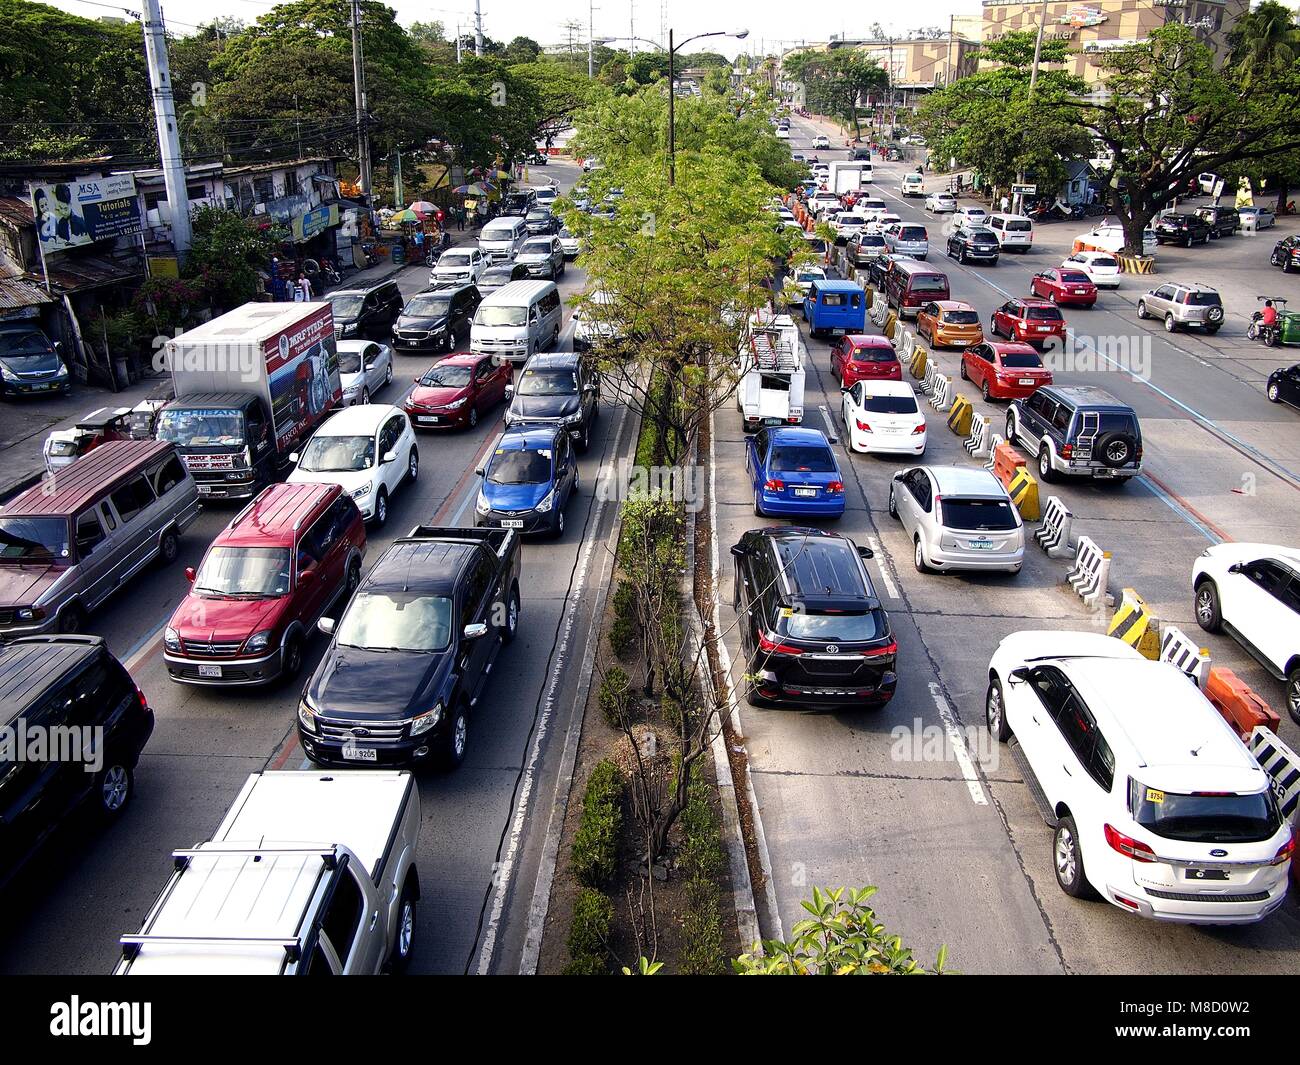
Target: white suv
<point>1156,804</point>
<point>1253,591</point>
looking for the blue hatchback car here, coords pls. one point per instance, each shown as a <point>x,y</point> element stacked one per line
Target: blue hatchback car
<point>793,471</point>
<point>835,306</point>
<point>528,481</point>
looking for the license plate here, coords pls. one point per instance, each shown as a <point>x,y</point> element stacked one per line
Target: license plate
<point>207,670</point>
<point>1080,291</point>
<point>353,753</point>
<point>1044,328</point>
<point>1205,874</point>
<point>411,343</point>
<point>205,490</point>
<point>1026,380</point>
<point>428,419</point>
<point>512,523</point>
<point>805,493</point>
<point>980,545</point>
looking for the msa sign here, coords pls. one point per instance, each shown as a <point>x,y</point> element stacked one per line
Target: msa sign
<point>82,211</point>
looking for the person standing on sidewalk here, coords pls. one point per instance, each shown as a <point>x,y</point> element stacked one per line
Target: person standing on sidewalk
<point>304,287</point>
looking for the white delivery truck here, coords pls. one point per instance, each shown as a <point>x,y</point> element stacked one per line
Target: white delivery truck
<point>770,389</point>
<point>308,873</point>
<point>849,175</point>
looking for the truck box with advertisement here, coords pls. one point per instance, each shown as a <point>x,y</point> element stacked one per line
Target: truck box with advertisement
<point>250,386</point>
<point>849,175</point>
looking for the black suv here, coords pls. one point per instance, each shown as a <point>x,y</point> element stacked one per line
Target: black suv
<point>978,245</point>
<point>518,204</point>
<point>1184,229</point>
<point>431,321</point>
<point>366,312</point>
<point>1223,221</point>
<point>411,655</point>
<point>1079,431</point>
<point>812,630</point>
<point>560,388</point>
<point>1286,254</point>
<point>65,689</point>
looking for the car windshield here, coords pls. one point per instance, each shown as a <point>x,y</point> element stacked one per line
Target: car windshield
<point>912,233</point>
<point>1022,360</point>
<point>455,258</point>
<point>548,383</point>
<point>1204,817</point>
<point>347,305</point>
<point>977,514</point>
<point>841,628</point>
<point>397,621</point>
<point>929,283</point>
<point>1117,423</point>
<point>338,454</point>
<point>799,458</point>
<point>536,247</point>
<point>520,467</point>
<point>1105,263</point>
<point>1074,277</point>
<point>252,572</point>
<point>428,306</point>
<point>874,355</point>
<point>446,377</point>
<point>1203,299</point>
<point>30,343</point>
<point>1043,314</point>
<point>961,317</point>
<point>890,404</point>
<point>516,316</point>
<point>1021,225</point>
<point>24,539</point>
<point>349,361</point>
<point>871,240</point>
<point>211,427</point>
<point>811,275</point>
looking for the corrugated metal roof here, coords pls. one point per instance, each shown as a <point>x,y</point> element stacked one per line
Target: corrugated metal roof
<point>18,292</point>
<point>16,211</point>
<point>271,519</point>
<point>88,271</point>
<point>78,484</point>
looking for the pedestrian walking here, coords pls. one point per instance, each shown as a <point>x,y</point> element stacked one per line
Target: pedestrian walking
<point>1005,203</point>
<point>304,289</point>
<point>460,218</point>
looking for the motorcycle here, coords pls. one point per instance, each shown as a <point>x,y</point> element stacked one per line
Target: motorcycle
<point>1285,331</point>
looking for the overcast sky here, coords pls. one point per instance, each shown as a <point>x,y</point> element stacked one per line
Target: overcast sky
<point>772,24</point>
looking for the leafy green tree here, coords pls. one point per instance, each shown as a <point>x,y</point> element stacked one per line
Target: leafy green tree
<point>836,81</point>
<point>227,253</point>
<point>1264,43</point>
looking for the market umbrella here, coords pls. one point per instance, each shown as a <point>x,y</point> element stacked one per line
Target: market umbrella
<point>423,207</point>
<point>406,216</point>
<point>499,175</point>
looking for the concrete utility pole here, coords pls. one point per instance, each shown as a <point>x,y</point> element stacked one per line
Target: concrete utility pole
<point>458,42</point>
<point>591,35</point>
<point>164,109</point>
<point>1033,80</point>
<point>478,27</point>
<point>359,92</point>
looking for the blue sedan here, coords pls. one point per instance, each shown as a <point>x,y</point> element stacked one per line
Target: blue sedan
<point>528,481</point>
<point>793,471</point>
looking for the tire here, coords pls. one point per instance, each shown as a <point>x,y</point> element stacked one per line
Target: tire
<point>71,619</point>
<point>1011,428</point>
<point>1170,325</point>
<point>585,441</point>
<point>1067,861</point>
<point>995,711</point>
<point>353,580</point>
<point>456,741</point>
<point>1045,472</point>
<point>893,503</point>
<point>918,557</point>
<point>1209,613</point>
<point>1142,310</point>
<point>404,940</point>
<point>1273,392</point>
<point>1293,695</point>
<point>511,628</point>
<point>114,785</point>
<point>168,547</point>
<point>473,417</point>
<point>413,465</point>
<point>961,369</point>
<point>291,663</point>
<point>381,509</point>
<point>557,531</point>
<point>388,374</point>
<point>758,510</point>
<point>1125,445</point>
<point>984,390</point>
<point>365,396</point>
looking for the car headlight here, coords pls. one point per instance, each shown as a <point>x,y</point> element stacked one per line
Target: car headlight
<point>171,639</point>
<point>572,419</point>
<point>362,492</point>
<point>481,505</point>
<point>7,373</point>
<point>546,502</point>
<point>258,641</point>
<point>306,715</point>
<point>62,372</point>
<point>456,405</point>
<point>426,721</point>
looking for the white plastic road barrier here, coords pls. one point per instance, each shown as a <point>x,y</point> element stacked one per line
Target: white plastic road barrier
<point>1091,574</point>
<point>1178,649</point>
<point>927,379</point>
<point>977,443</point>
<point>906,344</point>
<point>879,309</point>
<point>944,392</point>
<point>1054,536</point>
<point>1282,764</point>
<point>995,441</point>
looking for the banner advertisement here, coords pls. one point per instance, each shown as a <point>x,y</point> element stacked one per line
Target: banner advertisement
<point>82,211</point>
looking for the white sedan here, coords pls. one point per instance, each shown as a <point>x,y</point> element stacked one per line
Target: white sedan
<point>1102,267</point>
<point>368,451</point>
<point>821,141</point>
<point>941,203</point>
<point>783,134</point>
<point>970,217</point>
<point>883,417</point>
<point>1253,592</point>
<point>365,366</point>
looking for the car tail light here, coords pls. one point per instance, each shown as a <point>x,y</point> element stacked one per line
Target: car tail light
<point>1067,450</point>
<point>1138,453</point>
<point>144,703</point>
<point>1127,902</point>
<point>919,429</point>
<point>1128,846</point>
<point>863,426</point>
<point>773,485</point>
<point>835,486</point>
<point>1286,852</point>
<point>890,648</point>
<point>770,643</point>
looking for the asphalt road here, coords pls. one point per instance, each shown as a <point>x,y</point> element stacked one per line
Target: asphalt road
<point>483,825</point>
<point>950,834</point>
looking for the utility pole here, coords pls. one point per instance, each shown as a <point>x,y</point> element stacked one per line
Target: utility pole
<point>164,109</point>
<point>297,124</point>
<point>591,36</point>
<point>458,42</point>
<point>672,115</point>
<point>478,27</point>
<point>359,91</point>
<point>1033,80</point>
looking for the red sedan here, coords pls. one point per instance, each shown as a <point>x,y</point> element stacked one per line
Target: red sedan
<point>1071,288</point>
<point>1029,320</point>
<point>1004,371</point>
<point>454,391</point>
<point>857,357</point>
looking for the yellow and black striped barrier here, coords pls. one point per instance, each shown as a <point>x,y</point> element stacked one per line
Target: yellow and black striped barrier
<point>919,358</point>
<point>1135,625</point>
<point>1137,264</point>
<point>891,325</point>
<point>959,416</point>
<point>1023,490</point>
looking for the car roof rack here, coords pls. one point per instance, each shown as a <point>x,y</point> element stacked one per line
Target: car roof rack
<point>131,945</point>
<point>181,858</point>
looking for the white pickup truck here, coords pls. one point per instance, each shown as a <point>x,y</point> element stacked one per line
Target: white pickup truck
<point>770,390</point>
<point>308,872</point>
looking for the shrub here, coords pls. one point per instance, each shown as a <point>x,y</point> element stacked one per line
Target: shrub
<point>615,697</point>
<point>703,862</point>
<point>593,913</point>
<point>595,844</point>
<point>625,630</point>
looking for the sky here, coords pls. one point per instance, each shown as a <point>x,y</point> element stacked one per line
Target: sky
<point>769,22</point>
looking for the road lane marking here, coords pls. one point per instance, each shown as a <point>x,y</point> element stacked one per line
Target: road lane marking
<point>958,742</point>
<point>831,434</point>
<point>879,553</point>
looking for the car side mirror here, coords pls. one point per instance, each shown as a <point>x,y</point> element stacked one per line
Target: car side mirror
<point>389,456</point>
<point>1236,567</point>
<point>475,630</point>
<point>510,390</point>
<point>326,625</point>
<point>1018,676</point>
<point>737,551</point>
<point>416,380</point>
<point>294,457</point>
<point>866,552</point>
<point>190,574</point>
<point>479,472</point>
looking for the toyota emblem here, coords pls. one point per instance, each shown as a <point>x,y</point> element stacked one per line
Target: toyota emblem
<point>832,648</point>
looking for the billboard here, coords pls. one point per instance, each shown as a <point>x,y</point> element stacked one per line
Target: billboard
<point>70,214</point>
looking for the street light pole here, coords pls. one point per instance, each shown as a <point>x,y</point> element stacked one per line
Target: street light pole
<point>1019,198</point>
<point>672,114</point>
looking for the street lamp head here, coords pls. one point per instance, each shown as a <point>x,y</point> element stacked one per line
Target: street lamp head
<point>740,35</point>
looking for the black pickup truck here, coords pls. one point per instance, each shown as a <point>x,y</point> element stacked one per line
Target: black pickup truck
<point>411,655</point>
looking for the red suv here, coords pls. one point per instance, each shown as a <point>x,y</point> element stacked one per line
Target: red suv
<point>1004,371</point>
<point>454,391</point>
<point>1071,288</point>
<point>857,357</point>
<point>1029,320</point>
<point>262,585</point>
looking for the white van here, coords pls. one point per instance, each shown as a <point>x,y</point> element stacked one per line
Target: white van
<point>913,184</point>
<point>517,320</point>
<point>1015,232</point>
<point>502,238</point>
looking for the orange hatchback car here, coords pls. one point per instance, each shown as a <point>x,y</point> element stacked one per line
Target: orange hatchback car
<point>949,324</point>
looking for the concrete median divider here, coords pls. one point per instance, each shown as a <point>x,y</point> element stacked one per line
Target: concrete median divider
<point>959,415</point>
<point>943,393</point>
<point>929,377</point>
<point>978,439</point>
<point>1178,649</point>
<point>1054,536</point>
<point>1090,574</point>
<point>920,360</point>
<point>906,344</point>
<point>995,442</point>
<point>1134,624</point>
<point>1023,490</point>
<point>1240,706</point>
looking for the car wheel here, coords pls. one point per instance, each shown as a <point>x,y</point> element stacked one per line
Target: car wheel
<point>168,547</point>
<point>1273,392</point>
<point>511,628</point>
<point>1208,613</point>
<point>1170,324</point>
<point>1011,428</point>
<point>1142,309</point>
<point>893,503</point>
<point>995,712</point>
<point>113,788</point>
<point>404,939</point>
<point>365,395</point>
<point>413,466</point>
<point>1293,695</point>
<point>388,374</point>
<point>381,508</point>
<point>1045,472</point>
<point>1067,860</point>
<point>558,530</point>
<point>984,389</point>
<point>353,581</point>
<point>961,369</point>
<point>473,417</point>
<point>71,619</point>
<point>918,558</point>
<point>291,663</point>
<point>456,741</point>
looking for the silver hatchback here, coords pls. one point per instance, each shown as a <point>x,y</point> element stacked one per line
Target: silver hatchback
<point>907,238</point>
<point>957,518</point>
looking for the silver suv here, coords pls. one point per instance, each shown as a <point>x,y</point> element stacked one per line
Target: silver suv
<point>1183,307</point>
